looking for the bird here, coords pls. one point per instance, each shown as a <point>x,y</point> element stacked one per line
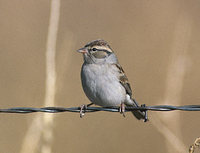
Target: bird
<point>103,79</point>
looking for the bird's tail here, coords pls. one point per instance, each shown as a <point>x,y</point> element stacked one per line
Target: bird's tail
<point>138,114</point>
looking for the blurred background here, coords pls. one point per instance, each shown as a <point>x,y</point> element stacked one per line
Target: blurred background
<point>157,43</point>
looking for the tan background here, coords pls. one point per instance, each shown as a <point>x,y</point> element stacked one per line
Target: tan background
<point>157,43</point>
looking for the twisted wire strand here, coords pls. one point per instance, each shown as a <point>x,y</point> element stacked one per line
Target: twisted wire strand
<point>95,109</point>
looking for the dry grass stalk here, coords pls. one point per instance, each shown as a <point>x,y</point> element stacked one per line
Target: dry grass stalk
<point>174,83</point>
<point>50,74</point>
<point>195,145</point>
<point>31,141</point>
<point>29,144</point>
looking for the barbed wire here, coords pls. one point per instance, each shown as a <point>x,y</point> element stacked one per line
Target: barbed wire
<point>95,109</point>
<point>83,109</point>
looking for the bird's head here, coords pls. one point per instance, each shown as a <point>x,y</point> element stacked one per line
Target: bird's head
<point>98,52</point>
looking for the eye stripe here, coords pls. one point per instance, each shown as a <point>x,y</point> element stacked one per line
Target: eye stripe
<point>108,52</point>
<point>100,50</point>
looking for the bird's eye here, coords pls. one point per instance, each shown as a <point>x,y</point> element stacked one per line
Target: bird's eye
<point>94,49</point>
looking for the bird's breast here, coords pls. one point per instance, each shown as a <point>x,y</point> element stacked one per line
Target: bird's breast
<point>101,84</point>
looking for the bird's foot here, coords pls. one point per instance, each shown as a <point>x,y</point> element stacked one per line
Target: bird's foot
<point>145,114</point>
<point>122,109</point>
<point>83,108</point>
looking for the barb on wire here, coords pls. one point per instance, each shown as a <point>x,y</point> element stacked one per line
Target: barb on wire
<point>95,109</point>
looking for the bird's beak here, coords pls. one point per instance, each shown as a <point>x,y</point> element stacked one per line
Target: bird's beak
<point>82,50</point>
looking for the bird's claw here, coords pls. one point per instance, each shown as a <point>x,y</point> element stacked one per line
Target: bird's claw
<point>82,110</point>
<point>146,115</point>
<point>122,109</point>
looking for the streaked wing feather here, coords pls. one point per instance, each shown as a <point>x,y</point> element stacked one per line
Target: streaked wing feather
<point>124,80</point>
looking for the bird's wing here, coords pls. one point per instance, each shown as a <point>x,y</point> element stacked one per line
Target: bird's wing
<point>124,80</point>
<point>125,83</point>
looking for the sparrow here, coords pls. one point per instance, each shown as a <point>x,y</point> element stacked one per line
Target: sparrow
<point>103,79</point>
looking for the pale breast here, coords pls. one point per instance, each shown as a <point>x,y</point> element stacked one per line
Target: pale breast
<point>101,84</point>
